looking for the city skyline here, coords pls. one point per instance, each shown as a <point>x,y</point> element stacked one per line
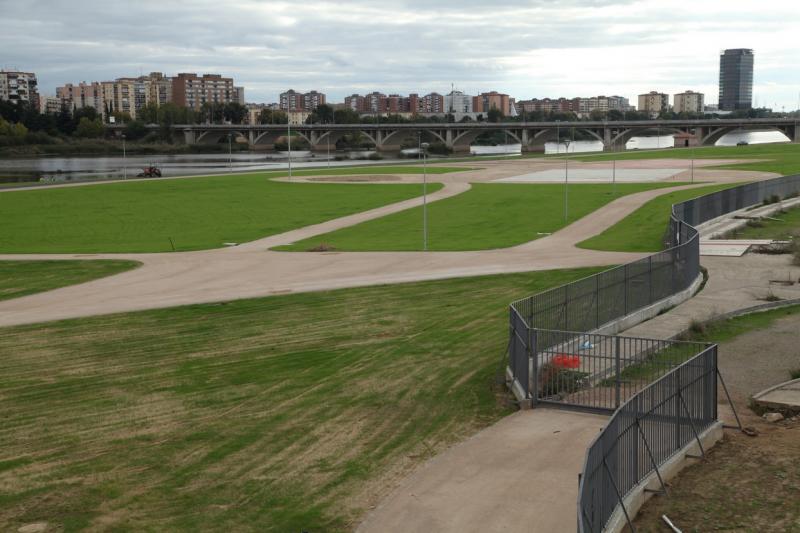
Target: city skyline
<point>524,49</point>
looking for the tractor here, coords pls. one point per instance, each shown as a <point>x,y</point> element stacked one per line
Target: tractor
<point>149,172</point>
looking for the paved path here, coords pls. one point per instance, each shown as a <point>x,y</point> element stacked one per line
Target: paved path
<point>519,475</point>
<point>251,270</point>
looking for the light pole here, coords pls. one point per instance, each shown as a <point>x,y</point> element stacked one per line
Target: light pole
<point>124,159</point>
<point>230,152</point>
<point>328,143</point>
<point>566,183</point>
<point>424,147</point>
<point>289,140</point>
<point>558,135</point>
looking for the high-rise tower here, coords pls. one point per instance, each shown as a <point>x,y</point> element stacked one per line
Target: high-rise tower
<point>736,79</point>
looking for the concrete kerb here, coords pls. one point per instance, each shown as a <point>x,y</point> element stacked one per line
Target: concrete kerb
<point>778,403</point>
<point>650,485</point>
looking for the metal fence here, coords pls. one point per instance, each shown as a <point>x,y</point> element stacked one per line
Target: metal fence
<point>601,372</point>
<point>645,432</point>
<point>663,393</point>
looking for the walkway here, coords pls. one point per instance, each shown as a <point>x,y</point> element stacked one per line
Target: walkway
<point>251,270</point>
<point>519,475</point>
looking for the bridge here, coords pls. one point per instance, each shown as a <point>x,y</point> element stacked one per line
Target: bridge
<point>458,136</point>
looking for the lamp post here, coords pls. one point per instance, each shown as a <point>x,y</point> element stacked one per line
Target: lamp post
<point>566,183</point>
<point>558,135</point>
<point>124,159</point>
<point>289,140</point>
<point>424,147</point>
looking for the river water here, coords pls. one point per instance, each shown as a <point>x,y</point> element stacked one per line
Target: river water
<point>61,169</point>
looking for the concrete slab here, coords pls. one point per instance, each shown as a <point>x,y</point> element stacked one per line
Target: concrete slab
<point>784,396</point>
<point>520,474</point>
<point>589,175</point>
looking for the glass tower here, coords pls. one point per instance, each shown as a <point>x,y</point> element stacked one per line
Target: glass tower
<point>736,79</point>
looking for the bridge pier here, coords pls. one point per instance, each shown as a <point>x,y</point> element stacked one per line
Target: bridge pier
<point>189,136</point>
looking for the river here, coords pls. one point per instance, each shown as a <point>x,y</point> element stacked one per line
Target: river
<point>61,169</point>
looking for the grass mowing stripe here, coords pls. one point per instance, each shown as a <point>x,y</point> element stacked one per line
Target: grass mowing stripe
<point>489,215</point>
<point>279,414</point>
<point>21,278</point>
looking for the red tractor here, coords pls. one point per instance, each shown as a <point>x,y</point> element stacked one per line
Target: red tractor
<point>149,172</point>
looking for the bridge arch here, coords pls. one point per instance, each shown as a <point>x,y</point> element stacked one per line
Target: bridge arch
<point>467,136</point>
<point>215,136</point>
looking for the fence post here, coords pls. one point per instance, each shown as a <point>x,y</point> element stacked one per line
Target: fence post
<point>533,386</point>
<point>617,372</point>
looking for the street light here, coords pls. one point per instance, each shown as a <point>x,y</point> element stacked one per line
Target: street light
<point>558,135</point>
<point>424,147</point>
<point>124,159</point>
<point>289,137</point>
<point>566,183</point>
<point>230,152</point>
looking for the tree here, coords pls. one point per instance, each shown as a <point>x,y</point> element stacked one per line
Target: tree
<point>322,114</point>
<point>494,115</point>
<point>234,112</point>
<point>597,114</point>
<point>89,129</point>
<point>273,116</point>
<point>346,116</point>
<point>135,130</point>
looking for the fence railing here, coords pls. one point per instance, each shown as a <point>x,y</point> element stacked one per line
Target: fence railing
<point>601,372</point>
<point>663,393</point>
<point>644,433</point>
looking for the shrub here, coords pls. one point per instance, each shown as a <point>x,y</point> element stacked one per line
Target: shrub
<point>556,380</point>
<point>375,156</point>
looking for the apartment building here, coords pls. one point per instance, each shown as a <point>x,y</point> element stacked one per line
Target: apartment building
<point>486,101</point>
<point>18,86</point>
<point>292,100</point>
<point>688,102</point>
<point>545,105</point>
<point>458,102</point>
<point>654,103</point>
<point>50,105</point>
<point>82,95</point>
<point>192,91</point>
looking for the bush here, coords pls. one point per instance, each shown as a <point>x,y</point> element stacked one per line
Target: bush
<point>774,199</point>
<point>375,156</point>
<point>555,380</point>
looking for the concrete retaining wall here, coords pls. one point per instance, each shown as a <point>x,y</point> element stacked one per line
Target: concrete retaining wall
<point>643,491</point>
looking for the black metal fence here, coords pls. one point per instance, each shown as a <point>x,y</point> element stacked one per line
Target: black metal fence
<point>601,372</point>
<point>663,393</point>
<point>645,432</point>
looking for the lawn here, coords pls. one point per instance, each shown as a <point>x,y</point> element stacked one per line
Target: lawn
<point>782,159</point>
<point>21,278</point>
<point>490,215</point>
<point>785,227</point>
<point>192,213</point>
<point>288,413</point>
<point>643,230</point>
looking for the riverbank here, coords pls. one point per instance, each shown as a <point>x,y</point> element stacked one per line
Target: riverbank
<point>92,147</point>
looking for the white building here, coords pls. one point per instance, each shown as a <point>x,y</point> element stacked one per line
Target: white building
<point>458,102</point>
<point>19,87</point>
<point>689,102</point>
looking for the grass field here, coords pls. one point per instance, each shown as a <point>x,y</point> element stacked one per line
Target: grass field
<point>783,159</point>
<point>643,230</point>
<point>787,226</point>
<point>20,278</point>
<point>289,413</point>
<point>196,213</point>
<point>490,215</point>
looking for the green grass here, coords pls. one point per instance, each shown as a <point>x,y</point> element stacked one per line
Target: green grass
<point>196,213</point>
<point>782,159</point>
<point>21,278</point>
<point>490,215</point>
<point>784,228</point>
<point>278,414</point>
<point>643,230</point>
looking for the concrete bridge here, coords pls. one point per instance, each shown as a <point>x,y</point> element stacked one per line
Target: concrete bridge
<point>458,136</point>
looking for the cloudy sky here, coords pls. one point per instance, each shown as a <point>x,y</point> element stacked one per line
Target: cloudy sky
<point>533,48</point>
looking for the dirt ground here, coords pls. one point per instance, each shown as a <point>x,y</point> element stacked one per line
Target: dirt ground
<point>747,483</point>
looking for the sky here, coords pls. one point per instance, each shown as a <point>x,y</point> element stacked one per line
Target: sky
<point>528,49</point>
